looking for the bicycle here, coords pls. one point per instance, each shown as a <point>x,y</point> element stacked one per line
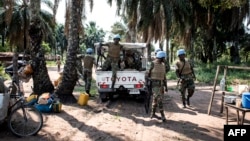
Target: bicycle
<point>22,119</point>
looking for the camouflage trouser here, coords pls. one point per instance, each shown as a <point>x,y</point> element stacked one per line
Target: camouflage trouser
<point>113,63</point>
<point>87,77</point>
<point>187,84</point>
<point>158,94</point>
<point>107,64</point>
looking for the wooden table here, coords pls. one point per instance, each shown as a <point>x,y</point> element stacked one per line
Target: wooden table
<point>243,111</point>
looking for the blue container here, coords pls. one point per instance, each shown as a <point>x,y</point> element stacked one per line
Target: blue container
<point>246,100</point>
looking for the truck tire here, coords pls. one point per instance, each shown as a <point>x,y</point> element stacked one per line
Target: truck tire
<point>103,97</point>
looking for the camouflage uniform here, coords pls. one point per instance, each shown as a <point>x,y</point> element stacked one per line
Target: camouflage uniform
<point>157,74</point>
<point>187,80</point>
<point>88,61</point>
<point>167,68</point>
<point>112,60</point>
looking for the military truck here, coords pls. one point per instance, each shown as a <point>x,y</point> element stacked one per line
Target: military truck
<point>131,76</point>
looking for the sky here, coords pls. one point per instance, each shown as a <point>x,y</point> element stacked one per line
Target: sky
<point>102,14</point>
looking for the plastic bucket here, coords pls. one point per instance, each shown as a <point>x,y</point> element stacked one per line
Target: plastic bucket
<point>246,100</point>
<point>83,99</point>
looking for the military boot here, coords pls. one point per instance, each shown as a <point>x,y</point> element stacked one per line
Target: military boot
<point>163,116</point>
<point>184,103</point>
<point>153,115</point>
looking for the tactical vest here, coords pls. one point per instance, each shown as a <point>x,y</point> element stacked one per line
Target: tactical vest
<point>186,69</point>
<point>88,62</point>
<point>158,72</point>
<point>114,50</point>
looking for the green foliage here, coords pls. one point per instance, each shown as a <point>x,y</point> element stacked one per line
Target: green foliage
<point>226,4</point>
<point>50,63</point>
<point>46,47</point>
<point>93,34</point>
<point>171,75</point>
<point>5,48</point>
<point>118,28</point>
<point>3,74</point>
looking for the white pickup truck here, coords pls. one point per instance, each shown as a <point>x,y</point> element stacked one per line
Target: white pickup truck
<point>130,80</point>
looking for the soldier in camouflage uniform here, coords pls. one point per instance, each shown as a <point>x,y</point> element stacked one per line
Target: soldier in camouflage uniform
<point>89,61</point>
<point>185,73</point>
<point>167,66</point>
<point>157,75</point>
<point>113,57</point>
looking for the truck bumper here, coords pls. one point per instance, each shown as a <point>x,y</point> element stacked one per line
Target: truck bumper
<point>109,90</point>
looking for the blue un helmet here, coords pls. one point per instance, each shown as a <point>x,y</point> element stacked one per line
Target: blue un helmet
<point>157,50</point>
<point>181,52</point>
<point>161,54</point>
<point>117,36</point>
<point>89,51</point>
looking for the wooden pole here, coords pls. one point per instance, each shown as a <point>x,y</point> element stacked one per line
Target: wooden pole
<point>213,91</point>
<point>222,102</point>
<point>223,92</point>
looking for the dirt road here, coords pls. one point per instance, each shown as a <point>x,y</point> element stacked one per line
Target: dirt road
<point>124,119</point>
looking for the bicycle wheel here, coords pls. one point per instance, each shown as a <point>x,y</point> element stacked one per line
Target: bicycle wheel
<point>25,121</point>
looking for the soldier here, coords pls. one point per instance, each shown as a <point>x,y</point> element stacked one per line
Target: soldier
<point>167,66</point>
<point>88,61</point>
<point>113,57</point>
<point>157,75</point>
<point>184,71</point>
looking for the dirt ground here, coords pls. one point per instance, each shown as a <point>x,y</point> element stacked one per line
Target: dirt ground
<point>124,119</point>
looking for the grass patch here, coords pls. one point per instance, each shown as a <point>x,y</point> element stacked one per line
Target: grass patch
<point>81,89</point>
<point>50,63</point>
<point>205,73</point>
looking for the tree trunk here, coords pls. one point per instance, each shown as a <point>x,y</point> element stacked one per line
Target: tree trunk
<point>167,49</point>
<point>65,89</point>
<point>3,34</point>
<point>41,80</point>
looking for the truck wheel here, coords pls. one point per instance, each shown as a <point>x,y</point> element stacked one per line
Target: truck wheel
<point>141,97</point>
<point>103,97</point>
<point>111,96</point>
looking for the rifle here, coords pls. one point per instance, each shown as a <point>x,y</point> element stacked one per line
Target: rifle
<point>148,94</point>
<point>178,83</point>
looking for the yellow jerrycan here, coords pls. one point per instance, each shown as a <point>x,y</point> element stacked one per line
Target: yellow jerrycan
<point>83,99</point>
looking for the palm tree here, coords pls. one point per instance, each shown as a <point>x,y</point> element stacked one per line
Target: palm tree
<point>118,28</point>
<point>73,29</point>
<point>61,41</point>
<point>41,80</point>
<point>92,34</point>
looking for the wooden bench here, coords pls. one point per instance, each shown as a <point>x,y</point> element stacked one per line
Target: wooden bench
<point>243,111</point>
